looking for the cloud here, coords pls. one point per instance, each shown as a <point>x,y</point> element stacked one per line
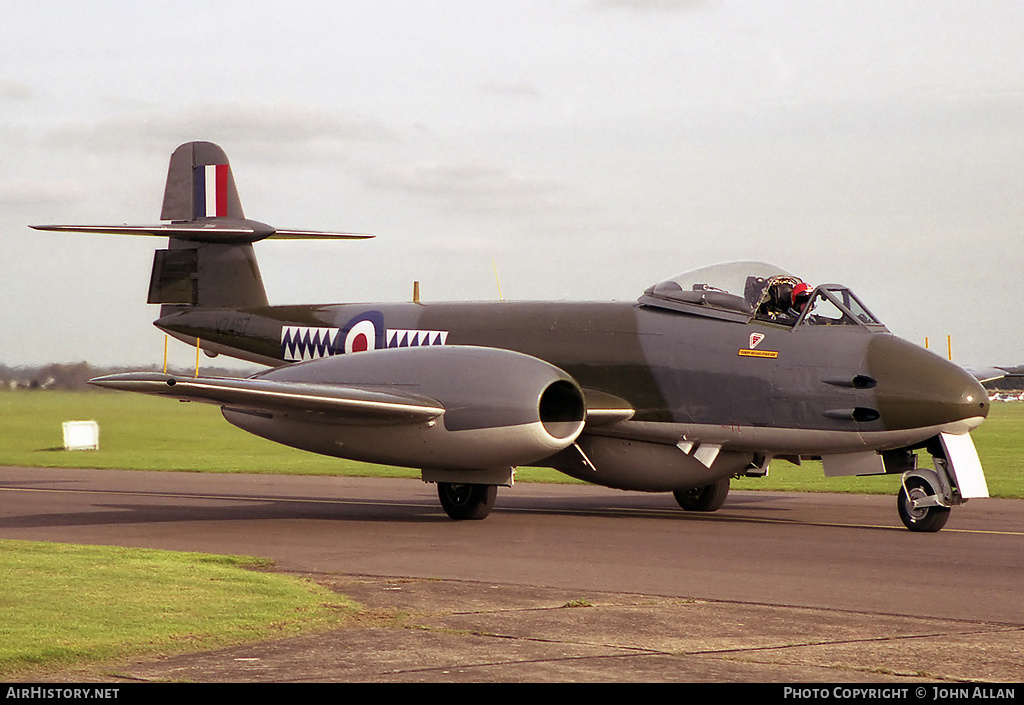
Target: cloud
<point>277,131</point>
<point>650,5</point>
<point>511,89</point>
<point>29,191</point>
<point>15,90</point>
<point>471,186</point>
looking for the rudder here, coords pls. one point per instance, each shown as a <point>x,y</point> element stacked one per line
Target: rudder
<point>200,185</point>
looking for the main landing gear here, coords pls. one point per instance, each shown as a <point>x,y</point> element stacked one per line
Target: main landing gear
<point>707,498</point>
<point>465,501</point>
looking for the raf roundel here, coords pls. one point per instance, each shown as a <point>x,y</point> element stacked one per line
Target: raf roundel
<point>361,337</point>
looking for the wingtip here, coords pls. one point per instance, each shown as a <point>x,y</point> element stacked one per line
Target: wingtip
<point>134,381</point>
<point>286,234</point>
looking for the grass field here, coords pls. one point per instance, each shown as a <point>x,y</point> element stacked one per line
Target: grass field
<point>68,606</point>
<point>139,432</point>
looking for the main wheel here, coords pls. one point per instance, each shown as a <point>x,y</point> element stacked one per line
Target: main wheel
<point>703,499</point>
<point>463,501</point>
<point>920,518</point>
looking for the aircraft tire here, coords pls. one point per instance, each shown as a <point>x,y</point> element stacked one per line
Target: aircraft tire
<point>465,501</point>
<point>707,498</point>
<point>924,519</point>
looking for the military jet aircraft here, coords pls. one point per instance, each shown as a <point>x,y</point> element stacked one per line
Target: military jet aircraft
<point>709,375</point>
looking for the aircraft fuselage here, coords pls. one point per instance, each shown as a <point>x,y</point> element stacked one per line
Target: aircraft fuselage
<point>808,390</point>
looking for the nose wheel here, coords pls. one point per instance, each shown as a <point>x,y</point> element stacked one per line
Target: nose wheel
<point>918,506</point>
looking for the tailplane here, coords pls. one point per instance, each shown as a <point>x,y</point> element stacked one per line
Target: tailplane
<point>209,261</point>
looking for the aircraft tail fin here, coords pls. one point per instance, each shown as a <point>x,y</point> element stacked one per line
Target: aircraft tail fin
<point>200,185</point>
<point>210,261</point>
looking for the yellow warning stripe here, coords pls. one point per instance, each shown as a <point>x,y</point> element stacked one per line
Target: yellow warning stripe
<point>747,352</point>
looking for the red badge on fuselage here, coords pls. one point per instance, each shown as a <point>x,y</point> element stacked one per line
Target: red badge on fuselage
<point>750,351</point>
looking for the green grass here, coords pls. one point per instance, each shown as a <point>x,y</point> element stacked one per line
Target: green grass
<point>67,606</point>
<point>139,432</point>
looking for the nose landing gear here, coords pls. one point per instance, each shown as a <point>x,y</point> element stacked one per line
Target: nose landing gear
<point>927,495</point>
<point>919,504</point>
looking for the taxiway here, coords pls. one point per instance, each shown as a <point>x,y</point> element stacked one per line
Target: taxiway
<point>809,570</point>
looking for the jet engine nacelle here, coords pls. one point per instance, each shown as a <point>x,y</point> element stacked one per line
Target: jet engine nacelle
<point>496,408</point>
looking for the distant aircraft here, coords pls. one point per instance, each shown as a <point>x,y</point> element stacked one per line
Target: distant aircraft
<point>709,375</point>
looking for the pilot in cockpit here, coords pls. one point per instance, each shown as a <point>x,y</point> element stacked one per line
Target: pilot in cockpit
<point>784,301</point>
<point>801,295</point>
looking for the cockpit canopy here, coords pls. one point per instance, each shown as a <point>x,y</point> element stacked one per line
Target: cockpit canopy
<point>745,291</point>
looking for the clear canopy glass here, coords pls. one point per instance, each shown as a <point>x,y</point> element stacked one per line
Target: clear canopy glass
<point>761,291</point>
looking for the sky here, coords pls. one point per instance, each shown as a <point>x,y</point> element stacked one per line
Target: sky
<point>581,149</point>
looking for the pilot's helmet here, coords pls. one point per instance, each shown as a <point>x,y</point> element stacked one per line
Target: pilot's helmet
<point>801,293</point>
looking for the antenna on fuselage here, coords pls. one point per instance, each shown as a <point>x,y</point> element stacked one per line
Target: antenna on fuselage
<point>949,346</point>
<point>496,280</point>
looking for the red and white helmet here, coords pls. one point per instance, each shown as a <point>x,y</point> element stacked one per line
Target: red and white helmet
<point>801,292</point>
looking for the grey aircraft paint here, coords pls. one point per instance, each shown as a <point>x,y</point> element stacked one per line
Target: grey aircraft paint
<point>698,381</point>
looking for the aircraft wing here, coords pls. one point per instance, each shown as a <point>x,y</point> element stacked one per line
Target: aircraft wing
<point>343,402</point>
<point>986,374</point>
<point>354,403</point>
<point>990,374</point>
<point>207,231</point>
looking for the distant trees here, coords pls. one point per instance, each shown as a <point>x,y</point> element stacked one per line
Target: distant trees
<point>75,375</point>
<point>55,375</point>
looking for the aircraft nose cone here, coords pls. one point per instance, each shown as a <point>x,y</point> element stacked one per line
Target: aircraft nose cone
<point>917,388</point>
